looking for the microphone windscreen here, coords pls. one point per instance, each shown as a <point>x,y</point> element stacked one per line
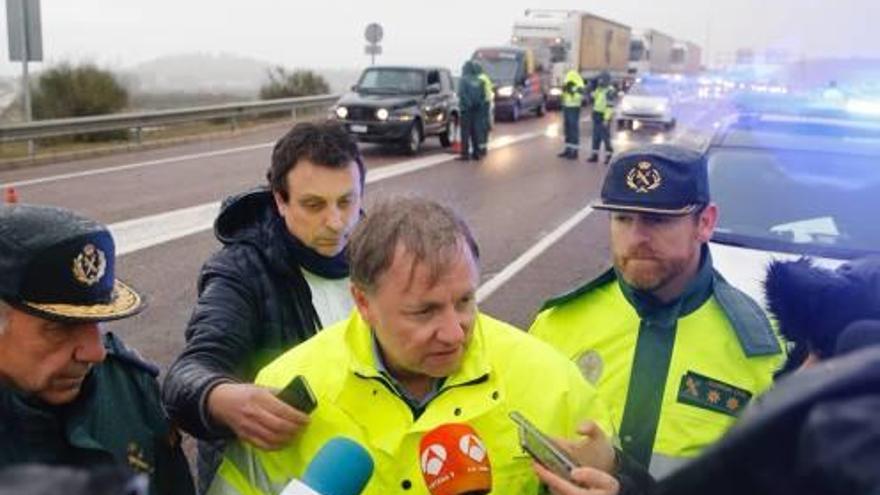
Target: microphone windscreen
<point>454,461</point>
<point>341,467</point>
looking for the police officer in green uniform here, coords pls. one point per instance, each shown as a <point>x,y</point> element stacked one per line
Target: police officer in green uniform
<point>675,350</point>
<point>70,395</point>
<point>572,98</point>
<point>602,98</point>
<point>488,111</point>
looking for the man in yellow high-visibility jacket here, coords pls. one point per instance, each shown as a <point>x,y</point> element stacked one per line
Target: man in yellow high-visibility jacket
<point>675,350</point>
<point>572,99</point>
<point>417,354</point>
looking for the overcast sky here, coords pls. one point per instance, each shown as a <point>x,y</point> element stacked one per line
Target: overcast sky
<point>329,33</point>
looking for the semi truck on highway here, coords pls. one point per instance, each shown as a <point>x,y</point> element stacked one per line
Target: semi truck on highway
<point>566,39</point>
<point>686,58</point>
<point>650,52</point>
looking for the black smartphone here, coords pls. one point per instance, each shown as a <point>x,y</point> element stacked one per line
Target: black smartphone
<point>542,448</point>
<point>299,395</point>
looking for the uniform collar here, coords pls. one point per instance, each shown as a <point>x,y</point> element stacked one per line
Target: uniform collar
<point>365,362</point>
<point>695,294</point>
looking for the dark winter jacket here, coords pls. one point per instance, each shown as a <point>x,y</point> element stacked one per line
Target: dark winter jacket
<point>116,420</point>
<point>471,95</point>
<point>253,304</point>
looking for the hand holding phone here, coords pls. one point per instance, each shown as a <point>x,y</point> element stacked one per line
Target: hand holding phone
<point>299,395</point>
<point>542,448</point>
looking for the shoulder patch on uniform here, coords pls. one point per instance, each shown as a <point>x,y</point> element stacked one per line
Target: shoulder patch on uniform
<point>707,393</point>
<point>119,351</point>
<point>752,327</point>
<point>602,279</point>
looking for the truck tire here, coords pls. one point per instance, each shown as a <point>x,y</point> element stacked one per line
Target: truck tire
<point>515,112</point>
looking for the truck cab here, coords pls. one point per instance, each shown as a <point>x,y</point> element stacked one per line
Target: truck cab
<point>520,84</point>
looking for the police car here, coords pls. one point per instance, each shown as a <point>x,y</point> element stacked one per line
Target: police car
<point>794,179</point>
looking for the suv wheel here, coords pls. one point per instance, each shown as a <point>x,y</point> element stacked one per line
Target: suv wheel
<point>414,142</point>
<point>446,136</point>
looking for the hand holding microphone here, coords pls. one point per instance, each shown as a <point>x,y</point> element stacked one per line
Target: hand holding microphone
<point>454,461</point>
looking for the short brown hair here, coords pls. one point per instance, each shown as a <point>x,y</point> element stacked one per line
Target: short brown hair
<point>430,232</point>
<point>323,143</point>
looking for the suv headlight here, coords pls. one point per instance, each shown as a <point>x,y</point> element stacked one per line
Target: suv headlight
<point>555,91</point>
<point>342,112</point>
<point>505,91</point>
<point>382,114</point>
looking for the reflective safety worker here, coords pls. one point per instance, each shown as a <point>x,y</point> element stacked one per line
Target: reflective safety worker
<point>489,110</point>
<point>572,99</point>
<point>602,98</point>
<point>675,350</point>
<point>415,355</point>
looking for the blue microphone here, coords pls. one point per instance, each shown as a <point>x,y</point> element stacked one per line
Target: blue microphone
<point>341,467</point>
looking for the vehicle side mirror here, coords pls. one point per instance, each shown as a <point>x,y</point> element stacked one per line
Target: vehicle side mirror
<point>433,89</point>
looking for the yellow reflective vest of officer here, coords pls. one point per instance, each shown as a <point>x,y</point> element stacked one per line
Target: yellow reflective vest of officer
<point>675,376</point>
<point>503,370</point>
<point>488,87</point>
<point>603,101</point>
<point>573,89</point>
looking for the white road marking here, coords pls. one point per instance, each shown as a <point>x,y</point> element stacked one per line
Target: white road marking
<point>141,233</point>
<point>132,166</point>
<point>510,271</point>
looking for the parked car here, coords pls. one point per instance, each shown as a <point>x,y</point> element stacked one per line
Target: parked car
<point>649,102</point>
<point>400,104</point>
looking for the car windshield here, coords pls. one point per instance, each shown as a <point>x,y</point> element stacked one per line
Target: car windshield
<point>500,67</point>
<point>392,81</point>
<point>651,88</point>
<point>798,201</point>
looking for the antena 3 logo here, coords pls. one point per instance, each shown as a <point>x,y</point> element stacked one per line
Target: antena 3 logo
<point>472,447</point>
<point>433,459</point>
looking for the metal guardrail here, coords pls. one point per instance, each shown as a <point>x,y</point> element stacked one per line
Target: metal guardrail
<point>137,121</point>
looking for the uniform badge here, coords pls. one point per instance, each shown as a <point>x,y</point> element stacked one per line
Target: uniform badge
<point>591,365</point>
<point>707,393</point>
<point>136,459</point>
<point>643,178</point>
<point>89,265</point>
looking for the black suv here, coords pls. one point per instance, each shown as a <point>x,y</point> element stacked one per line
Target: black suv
<point>400,105</point>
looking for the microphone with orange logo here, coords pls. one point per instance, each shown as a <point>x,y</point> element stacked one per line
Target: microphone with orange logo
<point>454,461</point>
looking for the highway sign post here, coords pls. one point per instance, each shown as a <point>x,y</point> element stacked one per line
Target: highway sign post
<point>25,44</point>
<point>373,34</point>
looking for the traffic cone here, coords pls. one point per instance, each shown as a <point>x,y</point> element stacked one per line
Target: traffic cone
<point>10,195</point>
<point>455,146</point>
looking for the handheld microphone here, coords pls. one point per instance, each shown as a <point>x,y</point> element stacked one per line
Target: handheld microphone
<point>454,461</point>
<point>341,467</point>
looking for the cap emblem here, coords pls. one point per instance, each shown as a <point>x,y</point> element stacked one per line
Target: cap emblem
<point>643,178</point>
<point>89,265</point>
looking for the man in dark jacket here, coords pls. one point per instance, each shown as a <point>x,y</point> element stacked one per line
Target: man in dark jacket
<point>280,276</point>
<point>472,101</point>
<point>70,396</point>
